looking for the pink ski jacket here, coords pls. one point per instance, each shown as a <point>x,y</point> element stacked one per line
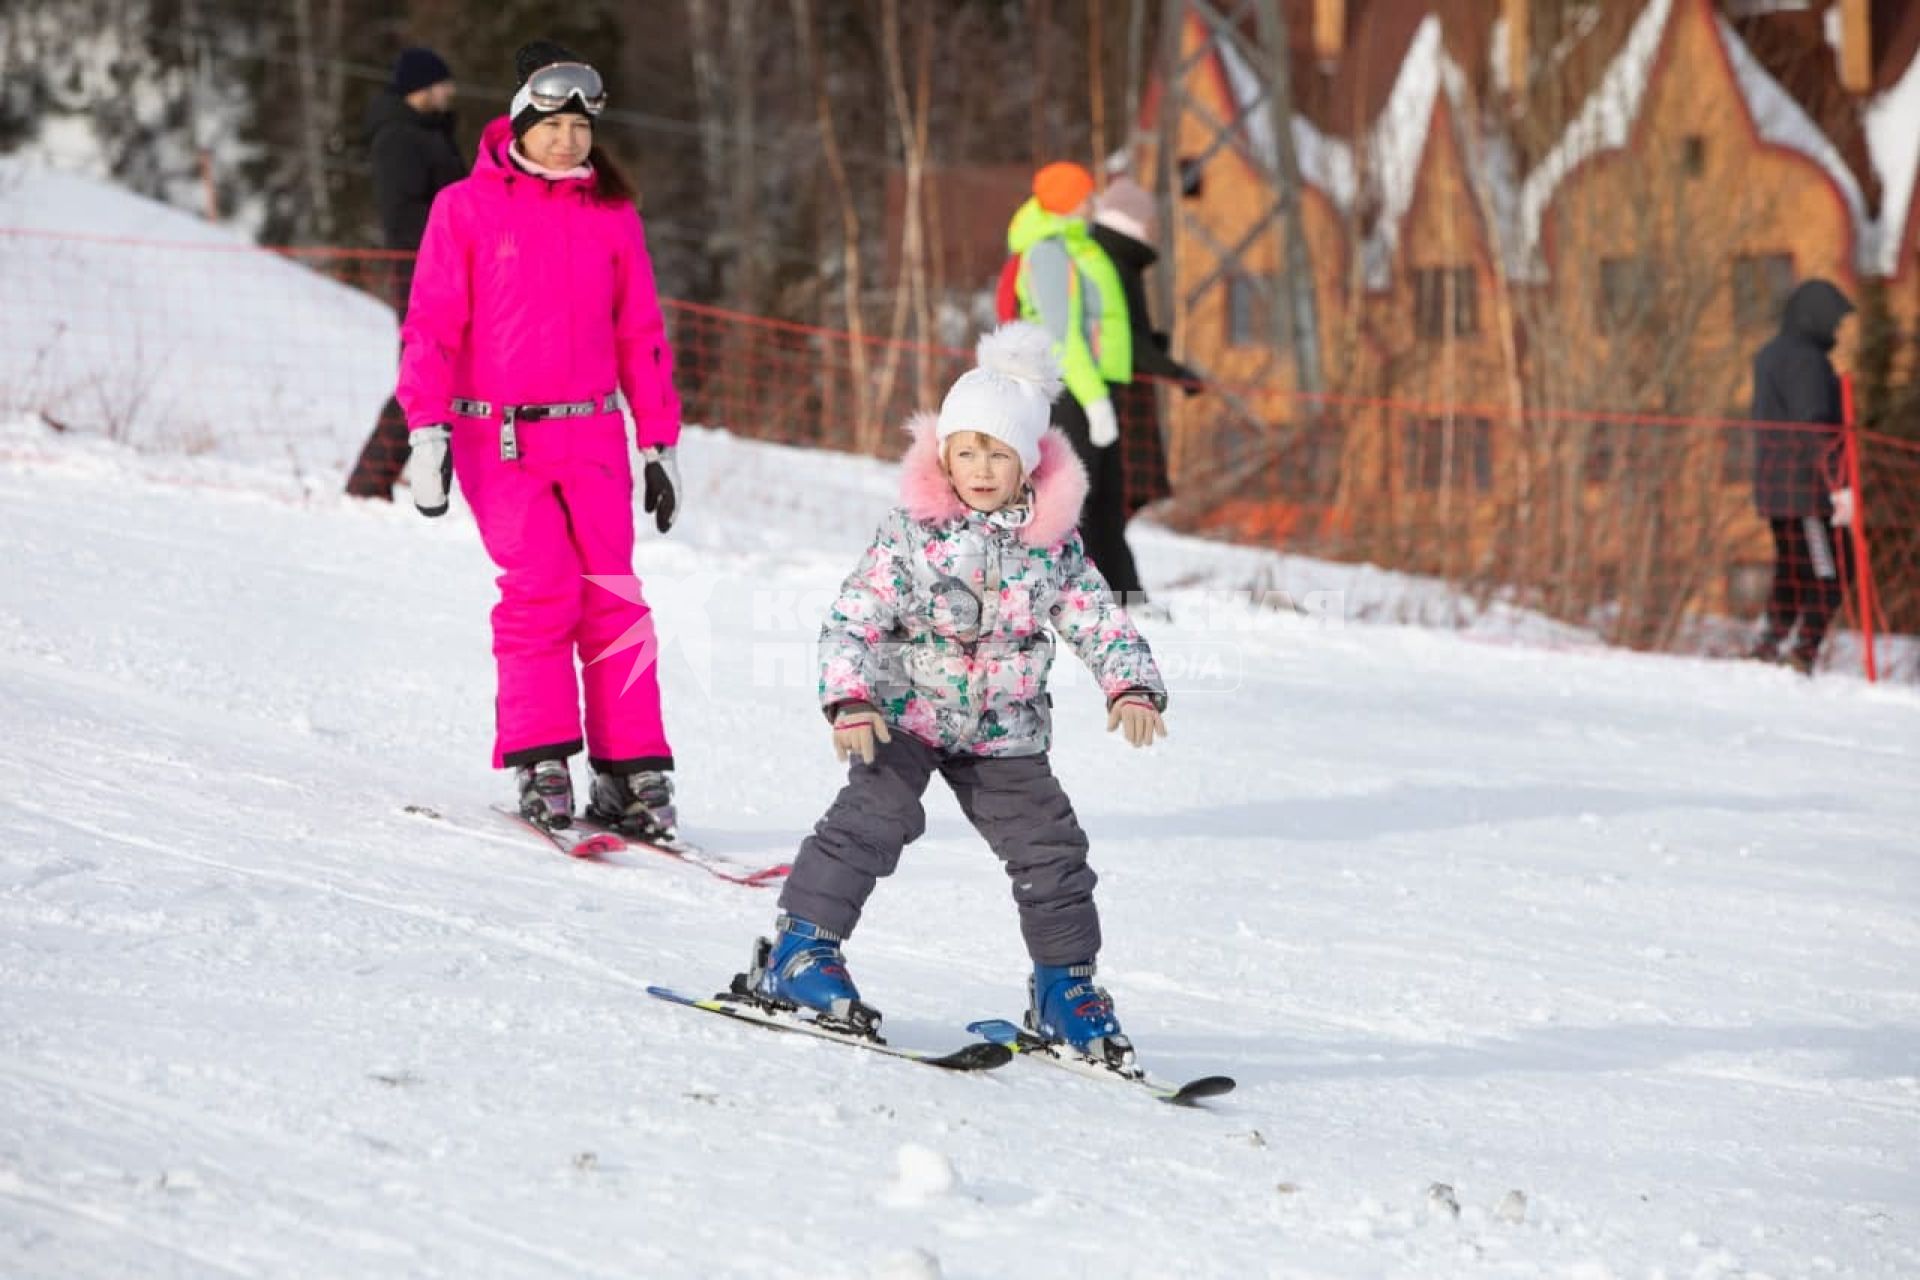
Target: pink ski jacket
<point>529,291</point>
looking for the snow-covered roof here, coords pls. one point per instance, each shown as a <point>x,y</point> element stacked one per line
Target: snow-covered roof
<point>1781,120</point>
<point>1604,123</point>
<point>1326,163</point>
<point>1387,165</point>
<point>1398,139</point>
<point>1394,143</point>
<point>1893,143</point>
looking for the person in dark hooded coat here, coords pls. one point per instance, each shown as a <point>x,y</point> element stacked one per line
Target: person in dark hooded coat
<point>409,133</point>
<point>1124,224</point>
<point>1796,485</point>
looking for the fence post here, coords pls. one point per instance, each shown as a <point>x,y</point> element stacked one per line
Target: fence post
<point>1857,527</point>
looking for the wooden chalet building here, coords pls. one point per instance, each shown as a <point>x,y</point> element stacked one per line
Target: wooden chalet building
<point>1546,239</point>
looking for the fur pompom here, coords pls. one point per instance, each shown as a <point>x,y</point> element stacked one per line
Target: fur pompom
<point>535,54</point>
<point>1024,352</point>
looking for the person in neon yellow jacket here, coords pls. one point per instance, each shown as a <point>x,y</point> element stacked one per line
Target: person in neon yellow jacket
<point>1066,283</point>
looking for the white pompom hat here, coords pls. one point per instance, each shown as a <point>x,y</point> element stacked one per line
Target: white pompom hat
<point>1010,395</point>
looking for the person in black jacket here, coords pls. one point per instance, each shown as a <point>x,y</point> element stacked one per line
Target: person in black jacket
<point>1796,488</point>
<point>409,132</point>
<point>1123,225</point>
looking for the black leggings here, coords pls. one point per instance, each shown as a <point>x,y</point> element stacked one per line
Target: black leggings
<point>1103,521</point>
<point>1807,562</point>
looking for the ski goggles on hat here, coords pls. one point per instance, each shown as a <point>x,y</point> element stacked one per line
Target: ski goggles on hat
<point>551,88</point>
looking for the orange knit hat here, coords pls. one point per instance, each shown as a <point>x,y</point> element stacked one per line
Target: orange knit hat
<point>1061,186</point>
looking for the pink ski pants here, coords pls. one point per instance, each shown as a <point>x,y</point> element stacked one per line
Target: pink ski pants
<point>560,511</point>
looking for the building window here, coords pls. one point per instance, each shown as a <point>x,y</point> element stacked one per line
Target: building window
<point>1445,302</point>
<point>1761,283</point>
<point>1253,303</point>
<point>1246,312</point>
<point>1693,155</point>
<point>1192,177</point>
<point>1626,293</point>
<point>1438,452</point>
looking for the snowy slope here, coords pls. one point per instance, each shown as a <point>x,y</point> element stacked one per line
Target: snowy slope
<point>127,318</point>
<point>1635,937</point>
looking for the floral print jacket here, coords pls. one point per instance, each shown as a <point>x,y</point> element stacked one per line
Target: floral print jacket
<point>944,626</point>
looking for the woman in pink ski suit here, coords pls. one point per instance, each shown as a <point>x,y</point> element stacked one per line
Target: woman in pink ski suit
<point>533,302</point>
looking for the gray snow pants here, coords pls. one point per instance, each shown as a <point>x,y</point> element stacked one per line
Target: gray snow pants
<point>1014,801</point>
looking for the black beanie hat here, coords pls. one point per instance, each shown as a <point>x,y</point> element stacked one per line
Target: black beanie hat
<point>529,58</point>
<point>417,69</point>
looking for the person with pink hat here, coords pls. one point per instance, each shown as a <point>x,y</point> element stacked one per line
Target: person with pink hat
<point>1133,474</point>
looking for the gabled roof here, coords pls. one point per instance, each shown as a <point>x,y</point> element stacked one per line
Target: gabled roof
<point>1397,142</point>
<point>1373,181</point>
<point>1571,49</point>
<point>1892,123</point>
<point>1361,124</point>
<point>1885,150</point>
<point>1326,160</point>
<point>1603,122</point>
<point>1783,120</point>
<point>1793,46</point>
<point>1894,141</point>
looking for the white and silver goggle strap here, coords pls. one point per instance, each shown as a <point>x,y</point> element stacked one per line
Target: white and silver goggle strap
<point>523,98</point>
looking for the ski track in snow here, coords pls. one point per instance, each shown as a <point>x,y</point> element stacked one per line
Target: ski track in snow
<point>1634,936</point>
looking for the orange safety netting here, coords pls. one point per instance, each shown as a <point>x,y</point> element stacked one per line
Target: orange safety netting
<point>1642,529</point>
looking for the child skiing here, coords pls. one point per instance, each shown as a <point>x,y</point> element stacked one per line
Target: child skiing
<point>934,658</point>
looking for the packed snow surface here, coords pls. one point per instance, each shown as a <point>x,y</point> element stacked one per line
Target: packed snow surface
<point>1528,961</point>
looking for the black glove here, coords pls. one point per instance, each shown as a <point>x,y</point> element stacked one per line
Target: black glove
<point>663,486</point>
<point>1190,382</point>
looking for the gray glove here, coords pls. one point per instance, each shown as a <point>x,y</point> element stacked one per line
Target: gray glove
<point>430,468</point>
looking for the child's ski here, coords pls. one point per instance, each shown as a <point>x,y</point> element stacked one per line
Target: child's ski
<point>981,1055</point>
<point>714,864</point>
<point>589,840</point>
<point>571,841</point>
<point>575,842</point>
<point>1019,1040</point>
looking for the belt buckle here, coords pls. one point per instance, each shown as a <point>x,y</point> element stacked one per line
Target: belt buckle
<point>509,441</point>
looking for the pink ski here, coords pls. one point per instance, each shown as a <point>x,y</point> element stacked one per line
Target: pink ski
<point>589,841</point>
<point>686,851</point>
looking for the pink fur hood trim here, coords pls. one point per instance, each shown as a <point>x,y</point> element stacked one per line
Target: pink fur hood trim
<point>1058,484</point>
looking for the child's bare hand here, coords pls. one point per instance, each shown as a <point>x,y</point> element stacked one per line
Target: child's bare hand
<point>1137,718</point>
<point>854,730</point>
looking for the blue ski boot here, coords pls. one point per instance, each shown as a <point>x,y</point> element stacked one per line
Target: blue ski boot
<point>802,968</point>
<point>1066,1008</point>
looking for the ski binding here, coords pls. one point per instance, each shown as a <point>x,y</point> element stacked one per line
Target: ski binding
<point>1019,1040</point>
<point>860,1033</point>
